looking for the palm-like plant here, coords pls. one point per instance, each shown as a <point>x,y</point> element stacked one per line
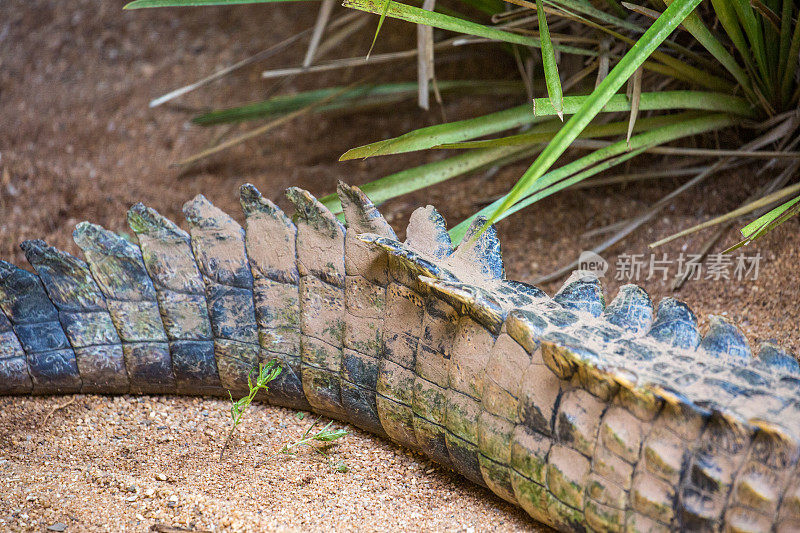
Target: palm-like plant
<point>690,69</point>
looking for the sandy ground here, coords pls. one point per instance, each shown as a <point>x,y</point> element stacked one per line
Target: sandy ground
<point>126,463</point>
<point>78,142</point>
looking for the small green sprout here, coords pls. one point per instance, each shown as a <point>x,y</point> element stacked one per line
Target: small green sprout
<point>326,436</point>
<point>340,466</point>
<point>264,374</point>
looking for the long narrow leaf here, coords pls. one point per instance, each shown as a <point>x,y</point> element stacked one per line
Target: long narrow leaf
<point>730,23</point>
<point>266,127</point>
<point>464,130</point>
<point>139,4</point>
<point>791,66</point>
<point>699,31</point>
<point>416,178</point>
<point>771,26</point>
<point>767,222</point>
<point>384,10</point>
<point>755,37</point>
<point>680,69</point>
<point>652,38</point>
<point>635,97</point>
<point>431,136</point>
<point>696,58</point>
<point>549,64</point>
<point>642,141</point>
<point>366,94</point>
<point>786,37</point>
<point>767,14</point>
<point>757,225</point>
<point>544,132</point>
<point>699,152</point>
<point>588,9</point>
<point>691,78</point>
<point>748,230</point>
<point>445,22</point>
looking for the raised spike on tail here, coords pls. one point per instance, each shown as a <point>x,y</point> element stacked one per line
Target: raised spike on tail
<point>118,269</point>
<point>218,243</point>
<point>320,262</point>
<point>360,213</point>
<point>270,240</point>
<point>320,238</point>
<point>427,233</point>
<point>84,315</point>
<point>675,324</point>
<point>169,260</point>
<point>582,292</point>
<point>50,358</point>
<point>773,356</point>
<point>480,253</point>
<point>724,338</point>
<point>366,281</point>
<point>270,237</point>
<point>632,309</point>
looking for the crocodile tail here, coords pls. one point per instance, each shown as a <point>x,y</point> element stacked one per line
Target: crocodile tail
<point>165,311</point>
<point>180,292</point>
<point>617,416</point>
<point>35,336</point>
<point>609,417</point>
<point>270,239</point>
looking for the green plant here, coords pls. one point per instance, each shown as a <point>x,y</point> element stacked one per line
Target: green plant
<point>326,436</point>
<point>691,69</point>
<point>263,375</point>
<point>752,57</point>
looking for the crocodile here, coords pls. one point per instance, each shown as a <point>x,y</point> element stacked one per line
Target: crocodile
<point>590,416</point>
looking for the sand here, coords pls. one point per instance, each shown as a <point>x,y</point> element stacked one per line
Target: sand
<point>78,142</point>
<point>126,464</point>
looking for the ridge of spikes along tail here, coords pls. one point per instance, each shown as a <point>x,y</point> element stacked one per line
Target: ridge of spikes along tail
<point>590,416</point>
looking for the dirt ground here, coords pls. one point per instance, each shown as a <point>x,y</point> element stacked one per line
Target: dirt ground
<point>78,142</point>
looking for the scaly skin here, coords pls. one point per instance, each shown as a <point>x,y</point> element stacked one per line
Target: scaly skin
<point>590,417</point>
